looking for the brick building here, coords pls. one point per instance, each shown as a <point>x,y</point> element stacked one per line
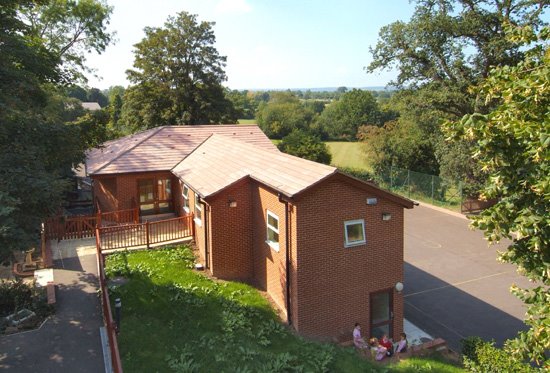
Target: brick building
<point>327,247</point>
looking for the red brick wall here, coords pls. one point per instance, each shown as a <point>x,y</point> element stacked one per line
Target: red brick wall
<point>231,234</point>
<point>105,192</point>
<point>334,282</point>
<point>127,189</point>
<point>269,265</point>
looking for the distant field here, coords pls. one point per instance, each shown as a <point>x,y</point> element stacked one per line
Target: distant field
<point>247,121</point>
<point>347,154</point>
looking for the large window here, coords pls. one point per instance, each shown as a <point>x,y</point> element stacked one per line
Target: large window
<point>198,209</point>
<point>155,196</point>
<point>272,230</point>
<point>185,198</point>
<point>354,231</point>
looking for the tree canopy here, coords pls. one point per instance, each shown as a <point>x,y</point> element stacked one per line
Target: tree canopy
<point>342,118</point>
<point>512,144</point>
<point>177,77</point>
<point>37,148</point>
<point>69,29</point>
<point>446,47</point>
<point>304,145</point>
<point>282,114</point>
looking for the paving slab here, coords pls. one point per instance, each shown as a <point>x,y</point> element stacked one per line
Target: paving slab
<point>69,341</point>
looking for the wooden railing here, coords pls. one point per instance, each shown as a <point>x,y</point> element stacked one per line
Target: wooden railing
<point>110,325</point>
<point>118,217</point>
<point>71,227</point>
<point>145,234</point>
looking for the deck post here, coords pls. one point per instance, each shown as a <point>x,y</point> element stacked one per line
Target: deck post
<point>147,233</point>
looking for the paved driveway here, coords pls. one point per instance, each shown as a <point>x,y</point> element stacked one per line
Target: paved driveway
<point>454,287</point>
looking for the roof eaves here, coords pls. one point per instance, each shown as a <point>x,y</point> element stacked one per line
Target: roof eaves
<point>126,151</point>
<point>405,202</point>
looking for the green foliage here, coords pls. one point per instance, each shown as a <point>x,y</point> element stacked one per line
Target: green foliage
<point>446,47</point>
<point>243,102</point>
<point>484,357</point>
<point>16,295</point>
<point>341,119</point>
<point>69,29</point>
<point>304,145</point>
<point>37,150</point>
<point>93,128</point>
<point>398,143</point>
<point>512,144</point>
<point>282,114</point>
<point>177,77</point>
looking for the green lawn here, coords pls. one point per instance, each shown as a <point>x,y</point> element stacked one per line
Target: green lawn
<point>247,121</point>
<point>348,155</point>
<point>176,319</point>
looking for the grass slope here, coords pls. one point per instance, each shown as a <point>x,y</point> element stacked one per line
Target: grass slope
<point>175,319</point>
<point>348,154</point>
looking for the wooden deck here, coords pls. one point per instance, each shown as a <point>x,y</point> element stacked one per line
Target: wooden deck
<point>145,235</point>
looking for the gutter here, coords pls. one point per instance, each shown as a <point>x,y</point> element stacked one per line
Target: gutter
<point>287,259</point>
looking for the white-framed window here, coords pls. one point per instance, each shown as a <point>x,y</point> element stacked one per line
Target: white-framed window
<point>272,224</point>
<point>354,231</point>
<point>185,193</point>
<point>198,210</point>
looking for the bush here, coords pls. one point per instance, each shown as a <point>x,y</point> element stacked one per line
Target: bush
<point>14,296</point>
<point>483,357</point>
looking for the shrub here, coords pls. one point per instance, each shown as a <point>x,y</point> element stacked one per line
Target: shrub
<point>483,357</point>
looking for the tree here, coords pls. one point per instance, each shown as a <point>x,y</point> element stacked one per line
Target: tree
<point>37,149</point>
<point>447,46</point>
<point>304,145</point>
<point>512,144</point>
<point>178,77</point>
<point>69,29</point>
<point>341,119</point>
<point>95,95</point>
<point>282,114</point>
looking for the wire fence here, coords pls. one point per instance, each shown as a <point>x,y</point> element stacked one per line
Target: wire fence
<point>418,186</point>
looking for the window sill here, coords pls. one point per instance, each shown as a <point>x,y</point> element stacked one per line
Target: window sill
<point>198,222</point>
<point>355,244</point>
<point>273,245</point>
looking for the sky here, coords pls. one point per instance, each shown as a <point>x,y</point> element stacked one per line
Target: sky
<point>269,44</point>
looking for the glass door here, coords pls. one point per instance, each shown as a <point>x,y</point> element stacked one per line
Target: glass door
<point>155,196</point>
<point>381,313</point>
<point>146,193</point>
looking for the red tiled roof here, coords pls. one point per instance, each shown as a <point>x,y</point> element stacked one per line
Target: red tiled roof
<point>161,148</point>
<point>221,161</point>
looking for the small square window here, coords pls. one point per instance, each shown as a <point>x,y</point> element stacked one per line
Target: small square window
<point>354,231</point>
<point>272,230</point>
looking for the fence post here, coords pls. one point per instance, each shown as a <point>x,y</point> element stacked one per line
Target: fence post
<point>147,233</point>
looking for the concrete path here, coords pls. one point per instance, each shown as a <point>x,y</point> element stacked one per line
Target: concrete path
<point>454,287</point>
<point>70,340</point>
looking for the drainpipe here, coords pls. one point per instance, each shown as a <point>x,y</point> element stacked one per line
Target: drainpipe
<point>287,259</point>
<point>205,219</point>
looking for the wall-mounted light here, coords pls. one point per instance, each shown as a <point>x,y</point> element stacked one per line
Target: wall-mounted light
<point>386,216</point>
<point>399,287</point>
<point>232,203</point>
<point>372,201</point>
